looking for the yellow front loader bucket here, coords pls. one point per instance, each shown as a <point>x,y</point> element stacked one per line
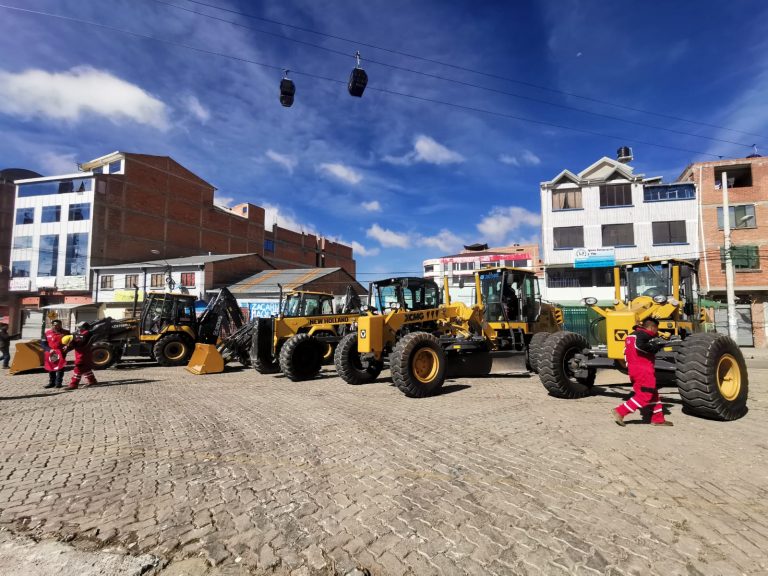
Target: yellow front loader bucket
<point>206,360</point>
<point>28,356</point>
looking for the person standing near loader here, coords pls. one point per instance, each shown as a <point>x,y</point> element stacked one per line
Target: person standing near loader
<point>5,345</point>
<point>81,344</point>
<point>55,354</point>
<point>640,350</point>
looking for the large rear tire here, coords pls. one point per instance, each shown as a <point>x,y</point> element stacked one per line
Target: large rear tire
<point>350,366</point>
<point>535,347</point>
<point>712,377</point>
<point>418,365</point>
<point>555,363</point>
<point>172,350</point>
<point>301,357</point>
<point>261,348</point>
<point>103,355</point>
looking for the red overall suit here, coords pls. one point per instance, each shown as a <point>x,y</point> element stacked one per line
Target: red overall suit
<point>640,354</point>
<point>55,357</point>
<point>81,343</point>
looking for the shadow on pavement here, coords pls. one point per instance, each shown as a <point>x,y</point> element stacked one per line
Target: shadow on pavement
<point>451,388</point>
<point>123,382</point>
<point>39,395</point>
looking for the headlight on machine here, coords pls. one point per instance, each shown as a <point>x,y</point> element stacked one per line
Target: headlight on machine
<point>590,300</point>
<point>673,302</point>
<point>660,299</point>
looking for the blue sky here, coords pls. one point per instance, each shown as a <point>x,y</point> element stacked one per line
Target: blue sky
<point>400,179</point>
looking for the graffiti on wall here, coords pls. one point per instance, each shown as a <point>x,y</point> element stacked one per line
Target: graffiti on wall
<point>263,309</point>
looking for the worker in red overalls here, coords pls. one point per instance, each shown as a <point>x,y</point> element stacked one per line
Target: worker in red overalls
<point>640,350</point>
<point>55,357</point>
<point>81,344</point>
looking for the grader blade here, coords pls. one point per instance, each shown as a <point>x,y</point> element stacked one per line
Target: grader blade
<point>508,362</point>
<point>28,356</point>
<point>468,365</point>
<point>206,360</point>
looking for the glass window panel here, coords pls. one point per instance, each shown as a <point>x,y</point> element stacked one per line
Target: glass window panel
<point>25,216</point>
<point>669,232</point>
<point>21,268</point>
<point>107,282</point>
<point>55,187</point>
<point>51,214</point>
<point>615,195</point>
<point>22,242</point>
<point>568,237</point>
<point>618,235</point>
<point>742,216</point>
<point>48,255</point>
<point>114,167</point>
<point>188,279</point>
<point>79,212</point>
<point>131,280</point>
<point>566,199</point>
<point>77,254</point>
<point>156,281</point>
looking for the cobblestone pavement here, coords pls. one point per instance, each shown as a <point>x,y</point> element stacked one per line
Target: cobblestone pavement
<point>258,474</point>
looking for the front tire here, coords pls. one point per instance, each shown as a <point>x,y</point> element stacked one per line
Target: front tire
<point>556,369</point>
<point>301,357</point>
<point>712,377</point>
<point>103,355</point>
<point>535,347</point>
<point>418,365</point>
<point>350,366</point>
<point>172,350</point>
<point>261,348</point>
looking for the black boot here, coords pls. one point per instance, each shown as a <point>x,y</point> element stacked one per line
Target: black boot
<point>51,380</point>
<point>59,378</point>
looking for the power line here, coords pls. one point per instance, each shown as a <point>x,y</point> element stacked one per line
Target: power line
<point>343,82</point>
<point>455,81</point>
<point>471,70</point>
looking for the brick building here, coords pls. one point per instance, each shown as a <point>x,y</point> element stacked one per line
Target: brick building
<point>748,201</point>
<point>123,208</point>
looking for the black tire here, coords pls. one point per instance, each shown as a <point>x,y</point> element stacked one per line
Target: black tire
<point>261,348</point>
<point>554,370</point>
<point>301,357</point>
<point>535,346</point>
<point>712,377</point>
<point>350,367</point>
<point>173,350</point>
<point>104,355</point>
<point>418,365</point>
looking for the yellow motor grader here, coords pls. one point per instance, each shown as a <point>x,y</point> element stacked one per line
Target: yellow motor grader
<point>708,368</point>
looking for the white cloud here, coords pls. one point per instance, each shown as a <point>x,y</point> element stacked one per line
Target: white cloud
<point>372,206</point>
<point>286,161</point>
<point>195,107</point>
<point>79,93</point>
<point>427,150</point>
<point>224,201</point>
<point>362,250</point>
<point>388,238</point>
<point>497,225</point>
<point>445,241</point>
<point>527,158</point>
<point>341,172</point>
<point>284,219</point>
<point>53,163</point>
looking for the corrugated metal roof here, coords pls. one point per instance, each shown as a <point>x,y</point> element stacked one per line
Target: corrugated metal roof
<point>266,282</point>
<point>186,261</point>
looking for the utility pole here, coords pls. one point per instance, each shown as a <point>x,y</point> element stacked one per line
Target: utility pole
<point>730,292</point>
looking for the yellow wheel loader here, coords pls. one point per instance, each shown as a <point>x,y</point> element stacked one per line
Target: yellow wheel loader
<point>708,368</point>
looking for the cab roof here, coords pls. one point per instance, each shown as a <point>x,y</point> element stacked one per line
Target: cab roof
<point>656,261</point>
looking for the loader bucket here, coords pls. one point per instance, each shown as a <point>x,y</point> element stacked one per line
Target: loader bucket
<point>28,356</point>
<point>205,360</point>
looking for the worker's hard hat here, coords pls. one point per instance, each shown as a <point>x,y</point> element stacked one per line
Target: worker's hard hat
<point>66,339</point>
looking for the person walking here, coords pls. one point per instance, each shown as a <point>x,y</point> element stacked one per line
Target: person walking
<point>55,354</point>
<point>81,344</point>
<point>5,345</point>
<point>640,350</point>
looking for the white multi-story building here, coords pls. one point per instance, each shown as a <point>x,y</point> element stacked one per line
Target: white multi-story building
<point>604,214</point>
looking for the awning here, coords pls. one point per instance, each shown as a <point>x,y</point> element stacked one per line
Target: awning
<point>67,306</point>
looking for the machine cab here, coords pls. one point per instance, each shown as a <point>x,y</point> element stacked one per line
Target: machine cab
<point>300,304</point>
<point>164,309</point>
<point>411,293</point>
<point>509,295</point>
<point>664,281</point>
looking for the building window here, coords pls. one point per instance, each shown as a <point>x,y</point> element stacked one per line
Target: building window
<point>51,214</point>
<point>48,255</point>
<point>618,235</point>
<point>99,170</point>
<point>188,279</point>
<point>107,282</point>
<point>25,216</point>
<point>568,237</point>
<point>615,195</point>
<point>740,216</point>
<point>463,265</point>
<point>666,192</point>
<point>77,254</point>
<point>115,167</point>
<point>456,280</point>
<point>429,268</point>
<point>269,245</point>
<point>21,242</point>
<point>738,176</point>
<point>21,268</point>
<point>79,212</point>
<point>156,281</point>
<point>566,200</point>
<point>744,257</point>
<point>131,281</point>
<point>55,187</point>
<point>669,232</point>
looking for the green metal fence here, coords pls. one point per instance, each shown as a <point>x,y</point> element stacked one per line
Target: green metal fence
<point>586,322</point>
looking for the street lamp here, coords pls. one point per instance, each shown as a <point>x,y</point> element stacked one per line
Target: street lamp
<point>168,269</point>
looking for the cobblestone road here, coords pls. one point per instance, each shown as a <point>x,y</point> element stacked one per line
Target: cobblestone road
<point>256,473</point>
